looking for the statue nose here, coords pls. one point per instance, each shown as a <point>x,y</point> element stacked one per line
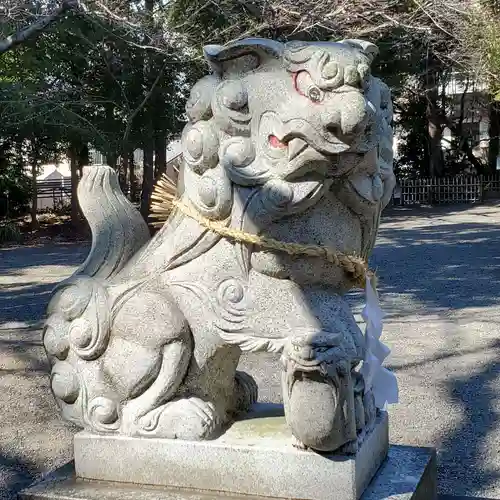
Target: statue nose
<point>349,113</point>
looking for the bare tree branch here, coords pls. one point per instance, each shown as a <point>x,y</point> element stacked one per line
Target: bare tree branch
<point>36,28</point>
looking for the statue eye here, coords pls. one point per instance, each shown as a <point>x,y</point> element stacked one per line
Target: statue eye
<point>306,87</point>
<point>314,93</point>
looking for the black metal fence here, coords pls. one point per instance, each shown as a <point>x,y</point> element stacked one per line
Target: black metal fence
<point>447,190</point>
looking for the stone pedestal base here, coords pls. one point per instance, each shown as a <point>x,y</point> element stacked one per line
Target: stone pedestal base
<point>407,474</point>
<point>255,456</point>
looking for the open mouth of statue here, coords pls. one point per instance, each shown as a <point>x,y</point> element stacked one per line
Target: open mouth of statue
<point>294,146</point>
<point>304,163</point>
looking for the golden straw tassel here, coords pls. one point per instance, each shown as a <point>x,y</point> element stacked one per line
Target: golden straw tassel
<point>162,199</point>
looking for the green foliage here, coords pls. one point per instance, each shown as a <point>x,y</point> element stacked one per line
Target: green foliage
<point>14,193</point>
<point>14,184</point>
<point>86,81</point>
<point>484,40</point>
<point>118,82</point>
<point>10,233</point>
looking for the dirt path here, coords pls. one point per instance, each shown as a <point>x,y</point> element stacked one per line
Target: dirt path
<point>440,285</point>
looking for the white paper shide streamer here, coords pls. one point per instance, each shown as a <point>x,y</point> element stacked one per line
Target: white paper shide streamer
<point>380,380</point>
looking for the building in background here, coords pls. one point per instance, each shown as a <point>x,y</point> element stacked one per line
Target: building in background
<point>53,185</point>
<point>54,180</point>
<point>470,108</point>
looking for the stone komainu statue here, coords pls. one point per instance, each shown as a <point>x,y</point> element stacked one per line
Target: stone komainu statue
<point>289,142</point>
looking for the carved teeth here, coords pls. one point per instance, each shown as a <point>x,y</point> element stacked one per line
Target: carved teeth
<point>295,147</point>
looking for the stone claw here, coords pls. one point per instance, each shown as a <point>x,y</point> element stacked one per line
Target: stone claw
<point>189,419</point>
<point>246,391</point>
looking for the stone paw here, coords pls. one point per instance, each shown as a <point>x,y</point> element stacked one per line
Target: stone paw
<point>130,420</point>
<point>190,419</point>
<point>246,391</point>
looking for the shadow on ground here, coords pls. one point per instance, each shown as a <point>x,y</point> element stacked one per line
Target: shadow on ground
<point>20,474</point>
<point>465,448</point>
<point>15,260</point>
<point>28,276</point>
<point>33,437</point>
<point>395,212</point>
<point>442,266</point>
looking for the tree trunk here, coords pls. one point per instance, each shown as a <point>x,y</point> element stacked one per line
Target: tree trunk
<point>122,173</point>
<point>149,132</point>
<point>461,117</point>
<point>111,160</point>
<point>160,155</point>
<point>433,115</point>
<point>493,134</point>
<point>34,195</point>
<point>436,158</point>
<point>132,180</point>
<point>83,158</point>
<point>147,178</point>
<point>125,170</point>
<point>149,143</point>
<point>434,127</point>
<point>73,162</point>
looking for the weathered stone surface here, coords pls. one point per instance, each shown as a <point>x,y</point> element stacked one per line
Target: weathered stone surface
<point>285,141</point>
<point>255,456</point>
<point>408,474</point>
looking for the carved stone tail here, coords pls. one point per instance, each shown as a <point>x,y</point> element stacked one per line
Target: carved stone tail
<point>79,314</point>
<point>118,229</point>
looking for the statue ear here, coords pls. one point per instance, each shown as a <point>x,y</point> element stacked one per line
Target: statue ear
<point>241,56</point>
<point>370,49</point>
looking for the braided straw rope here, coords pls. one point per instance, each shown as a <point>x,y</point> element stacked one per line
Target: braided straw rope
<point>165,199</point>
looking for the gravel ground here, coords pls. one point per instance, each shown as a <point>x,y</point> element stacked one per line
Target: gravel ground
<point>33,439</point>
<point>439,273</point>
